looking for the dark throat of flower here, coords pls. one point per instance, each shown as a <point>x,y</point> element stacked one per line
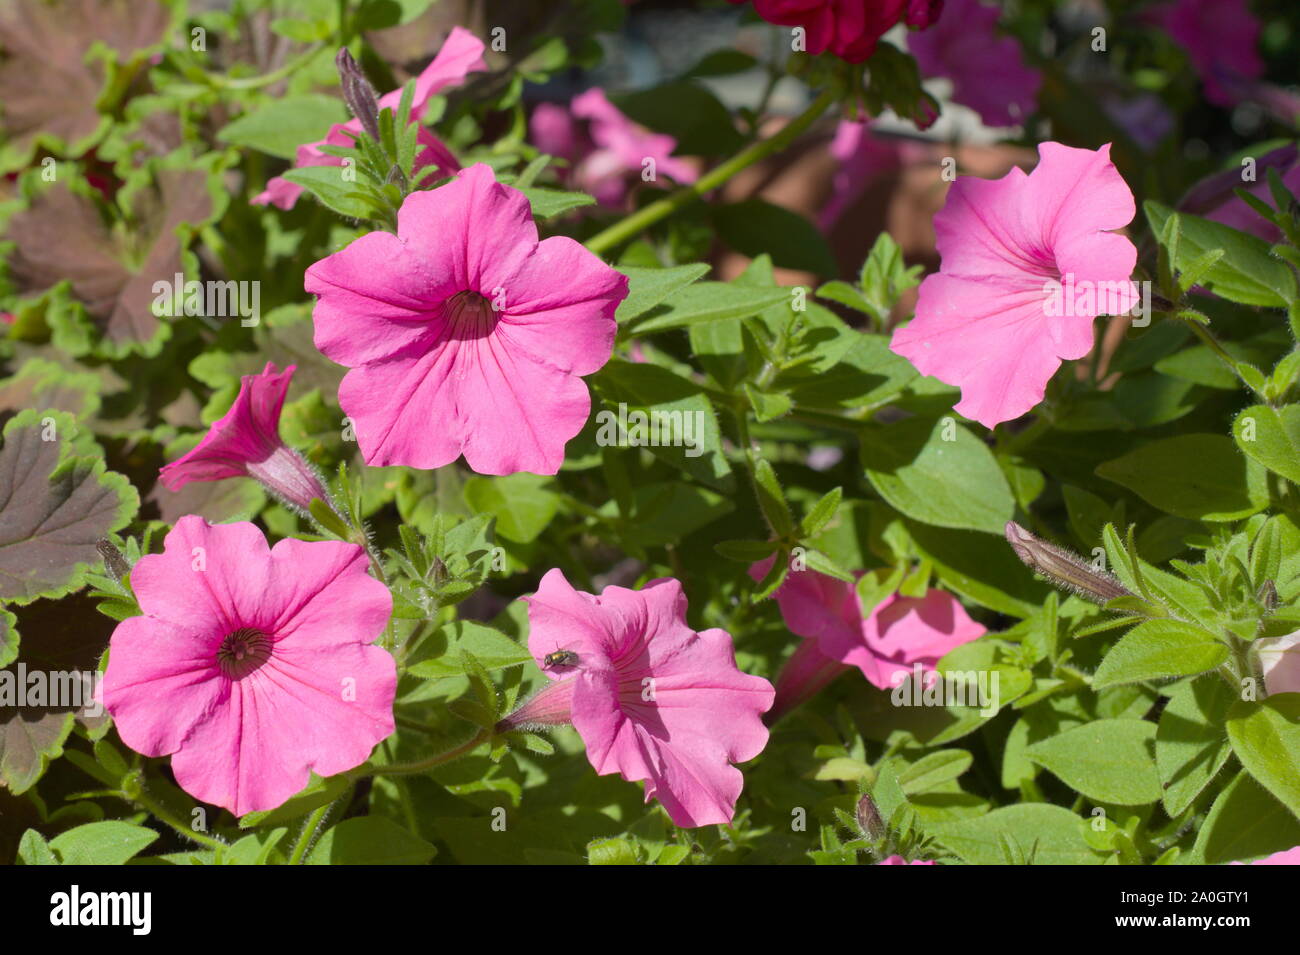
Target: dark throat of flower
<point>243,651</point>
<point>470,315</point>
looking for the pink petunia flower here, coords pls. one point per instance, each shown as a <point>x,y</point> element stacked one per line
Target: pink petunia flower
<point>652,699</point>
<point>461,54</point>
<point>862,157</point>
<point>1285,857</point>
<point>987,69</point>
<point>252,667</point>
<point>848,28</point>
<point>609,152</point>
<point>1221,38</point>
<point>1279,661</point>
<point>465,335</point>
<point>898,860</point>
<point>885,644</point>
<point>245,442</point>
<point>1026,263</point>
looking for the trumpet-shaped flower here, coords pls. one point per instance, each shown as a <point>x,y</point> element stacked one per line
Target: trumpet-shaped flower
<point>464,333</point>
<point>652,699</point>
<point>1026,263</point>
<point>252,666</point>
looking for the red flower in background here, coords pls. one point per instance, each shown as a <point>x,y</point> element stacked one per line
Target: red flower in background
<point>848,28</point>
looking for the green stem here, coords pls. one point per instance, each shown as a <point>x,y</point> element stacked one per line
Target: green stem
<point>663,208</point>
<point>266,79</point>
<point>308,834</point>
<point>133,791</point>
<point>430,762</point>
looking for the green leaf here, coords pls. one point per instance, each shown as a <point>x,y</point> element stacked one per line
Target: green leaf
<point>949,483</point>
<point>646,288</point>
<point>370,840</point>
<point>755,226</point>
<point>689,113</point>
<point>1107,761</point>
<point>282,125</point>
<point>548,203</point>
<point>1271,436</point>
<point>34,850</point>
<point>1245,822</point>
<point>1159,650</point>
<point>318,792</point>
<point>1190,745</point>
<point>101,843</point>
<point>708,302</point>
<point>612,852</point>
<point>1247,273</point>
<point>327,185</point>
<point>653,397</point>
<point>1042,834</point>
<point>820,514</point>
<point>1197,476</point>
<point>522,503</point>
<point>1265,735</point>
<point>58,501</point>
<point>771,499</point>
<point>491,648</point>
<point>933,770</point>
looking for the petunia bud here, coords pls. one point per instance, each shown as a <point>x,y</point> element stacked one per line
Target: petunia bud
<point>1062,567</point>
<point>360,96</point>
<point>114,562</point>
<point>552,705</point>
<point>869,820</point>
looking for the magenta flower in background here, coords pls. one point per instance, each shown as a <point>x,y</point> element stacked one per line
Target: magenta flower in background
<point>651,698</point>
<point>252,667</point>
<point>898,860</point>
<point>245,442</point>
<point>862,157</point>
<point>464,333</point>
<point>1234,212</point>
<point>885,644</point>
<point>1286,857</point>
<point>1221,38</point>
<point>1026,263</point>
<point>461,54</point>
<point>847,28</point>
<point>987,69</point>
<point>609,152</point>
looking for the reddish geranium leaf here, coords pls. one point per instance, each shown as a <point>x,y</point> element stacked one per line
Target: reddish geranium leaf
<point>63,236</point>
<point>56,501</point>
<point>49,87</point>
<point>62,637</point>
<point>41,383</point>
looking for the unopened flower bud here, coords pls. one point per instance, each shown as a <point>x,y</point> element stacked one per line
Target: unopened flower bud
<point>1062,567</point>
<point>360,96</point>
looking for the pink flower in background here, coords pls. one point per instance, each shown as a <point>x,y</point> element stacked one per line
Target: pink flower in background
<point>884,644</point>
<point>1234,212</point>
<point>1286,857</point>
<point>609,152</point>
<point>1221,38</point>
<point>862,157</point>
<point>1279,659</point>
<point>251,667</point>
<point>1026,263</point>
<point>461,54</point>
<point>848,28</point>
<point>464,333</point>
<point>987,70</point>
<point>652,699</point>
<point>245,442</point>
<point>1144,117</point>
<point>898,860</point>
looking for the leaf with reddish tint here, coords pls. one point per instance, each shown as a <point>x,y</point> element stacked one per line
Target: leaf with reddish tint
<point>41,383</point>
<point>110,267</point>
<point>51,83</point>
<point>56,501</point>
<point>61,636</point>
